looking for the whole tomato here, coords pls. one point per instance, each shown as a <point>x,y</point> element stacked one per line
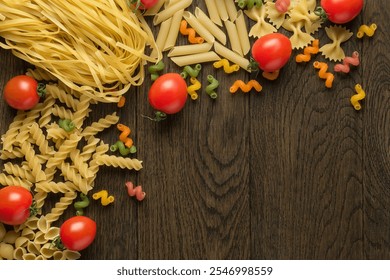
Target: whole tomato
<point>341,11</point>
<point>272,51</point>
<point>77,233</point>
<point>15,205</point>
<point>168,93</point>
<point>22,92</point>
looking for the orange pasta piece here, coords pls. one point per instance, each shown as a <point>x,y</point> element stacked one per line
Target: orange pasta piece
<point>121,102</point>
<point>184,30</point>
<point>308,51</point>
<point>245,87</point>
<point>323,74</point>
<point>124,135</point>
<point>271,75</point>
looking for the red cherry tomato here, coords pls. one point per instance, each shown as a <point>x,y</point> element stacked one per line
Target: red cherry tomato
<point>15,203</point>
<point>341,11</point>
<point>168,93</point>
<point>144,4</point>
<point>22,92</point>
<point>77,233</point>
<point>272,51</point>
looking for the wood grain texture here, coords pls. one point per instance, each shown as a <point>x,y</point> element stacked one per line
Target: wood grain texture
<point>292,172</point>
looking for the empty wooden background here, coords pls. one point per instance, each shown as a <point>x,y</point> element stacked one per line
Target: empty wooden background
<point>291,173</point>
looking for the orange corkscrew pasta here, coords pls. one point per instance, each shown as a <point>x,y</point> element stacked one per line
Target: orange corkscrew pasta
<point>124,135</point>
<point>105,199</point>
<point>135,191</point>
<point>308,51</point>
<point>348,60</point>
<point>271,75</point>
<point>245,87</point>
<point>184,30</point>
<point>323,74</point>
<point>366,30</point>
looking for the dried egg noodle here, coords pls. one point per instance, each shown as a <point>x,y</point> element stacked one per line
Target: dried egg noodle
<point>94,47</point>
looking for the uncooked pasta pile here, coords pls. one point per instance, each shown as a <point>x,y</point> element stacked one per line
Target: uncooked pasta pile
<point>94,47</point>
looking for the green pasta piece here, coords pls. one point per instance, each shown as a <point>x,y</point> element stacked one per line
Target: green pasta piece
<point>123,150</point>
<point>66,124</point>
<point>155,69</point>
<point>192,72</point>
<point>210,89</point>
<point>80,205</point>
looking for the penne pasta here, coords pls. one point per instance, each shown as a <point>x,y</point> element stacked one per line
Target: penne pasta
<point>231,56</point>
<point>161,37</point>
<point>195,58</point>
<point>199,28</point>
<point>210,25</point>
<point>231,9</point>
<point>213,11</point>
<point>173,31</point>
<point>222,10</point>
<point>242,33</point>
<point>170,11</point>
<point>189,49</point>
<point>233,35</point>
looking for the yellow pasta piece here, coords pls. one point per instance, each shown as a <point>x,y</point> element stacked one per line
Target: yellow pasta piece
<point>366,30</point>
<point>359,96</point>
<point>195,85</point>
<point>227,68</point>
<point>105,199</point>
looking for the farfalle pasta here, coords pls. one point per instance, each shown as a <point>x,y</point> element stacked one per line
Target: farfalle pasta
<point>338,35</point>
<point>261,26</point>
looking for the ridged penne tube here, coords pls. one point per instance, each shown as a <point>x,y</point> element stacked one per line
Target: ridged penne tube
<point>242,31</point>
<point>210,26</point>
<point>231,56</point>
<point>232,32</point>
<point>195,58</point>
<point>199,28</point>
<point>189,49</point>
<point>173,33</point>
<point>212,9</point>
<point>170,11</point>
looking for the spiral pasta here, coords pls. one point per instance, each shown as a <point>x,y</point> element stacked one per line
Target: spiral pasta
<point>356,98</point>
<point>347,61</point>
<point>366,30</point>
<point>121,162</point>
<point>190,32</point>
<point>245,87</point>
<point>323,74</point>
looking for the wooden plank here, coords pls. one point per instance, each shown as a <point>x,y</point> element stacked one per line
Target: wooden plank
<point>306,167</point>
<point>376,119</point>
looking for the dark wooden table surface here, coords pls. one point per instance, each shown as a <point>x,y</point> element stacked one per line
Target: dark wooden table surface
<point>291,173</point>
